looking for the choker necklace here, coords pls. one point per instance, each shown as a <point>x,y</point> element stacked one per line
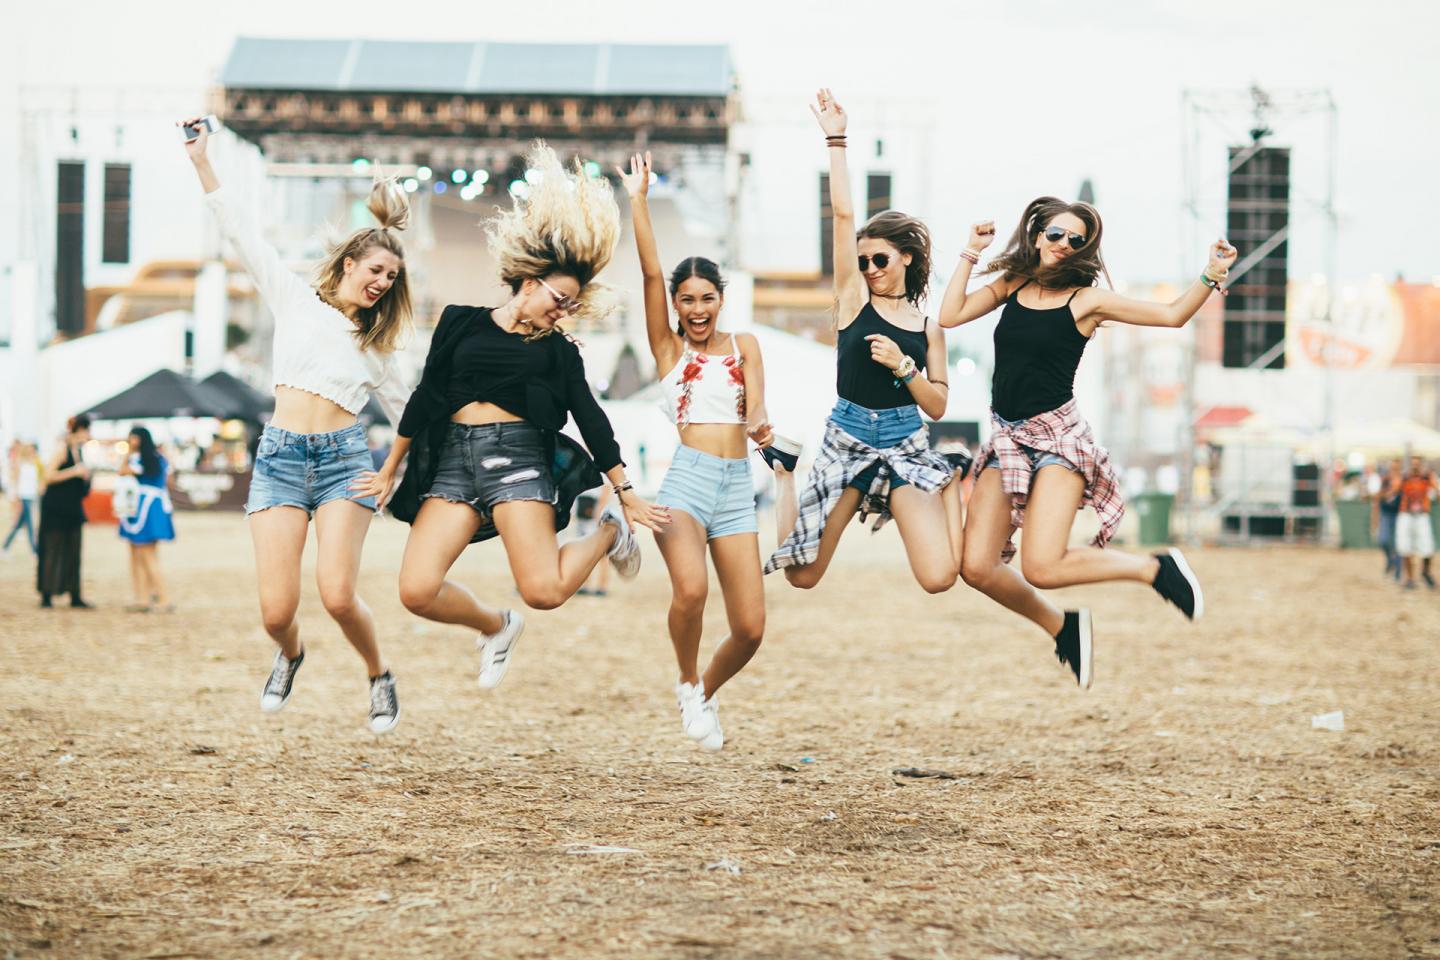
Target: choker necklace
<point>889,296</point>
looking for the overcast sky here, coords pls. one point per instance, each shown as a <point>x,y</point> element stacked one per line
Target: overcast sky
<point>1029,97</point>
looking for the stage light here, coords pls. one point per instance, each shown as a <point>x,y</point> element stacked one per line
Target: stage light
<point>533,175</point>
<point>965,367</point>
<point>411,184</point>
<point>482,177</point>
<point>519,188</point>
<point>424,173</point>
<point>439,186</point>
<point>458,175</point>
<point>592,169</point>
<point>360,165</point>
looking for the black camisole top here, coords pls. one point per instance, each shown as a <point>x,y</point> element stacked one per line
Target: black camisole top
<point>860,379</point>
<point>1036,355</point>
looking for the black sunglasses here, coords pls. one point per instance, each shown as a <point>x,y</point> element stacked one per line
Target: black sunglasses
<point>1056,234</point>
<point>882,260</point>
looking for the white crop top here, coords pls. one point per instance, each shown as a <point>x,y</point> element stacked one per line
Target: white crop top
<point>705,388</point>
<point>315,346</point>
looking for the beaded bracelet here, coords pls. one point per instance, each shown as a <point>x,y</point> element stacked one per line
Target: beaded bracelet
<point>971,256</point>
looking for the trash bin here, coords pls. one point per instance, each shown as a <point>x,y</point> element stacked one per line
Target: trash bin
<point>1354,524</point>
<point>1153,509</point>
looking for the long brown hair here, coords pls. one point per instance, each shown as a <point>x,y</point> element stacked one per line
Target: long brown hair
<point>1021,258</point>
<point>908,235</point>
<point>382,326</point>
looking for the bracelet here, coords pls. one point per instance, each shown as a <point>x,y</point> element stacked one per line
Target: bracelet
<point>621,488</point>
<point>1213,284</point>
<point>970,256</point>
<point>836,141</point>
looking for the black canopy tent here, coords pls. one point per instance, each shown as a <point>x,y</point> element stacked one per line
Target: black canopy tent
<point>166,393</point>
<point>255,404</point>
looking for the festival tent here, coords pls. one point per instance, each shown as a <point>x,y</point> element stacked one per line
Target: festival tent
<point>256,405</point>
<point>166,393</point>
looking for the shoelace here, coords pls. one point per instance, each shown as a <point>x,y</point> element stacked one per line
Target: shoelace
<point>278,676</point>
<point>382,697</point>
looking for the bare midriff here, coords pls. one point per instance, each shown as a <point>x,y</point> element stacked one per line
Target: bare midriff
<point>478,413</point>
<point>717,439</point>
<point>300,411</point>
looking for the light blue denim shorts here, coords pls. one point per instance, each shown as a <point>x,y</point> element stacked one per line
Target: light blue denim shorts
<point>717,491</point>
<point>307,470</point>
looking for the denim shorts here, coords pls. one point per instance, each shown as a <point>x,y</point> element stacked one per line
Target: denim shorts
<point>1038,458</point>
<point>307,470</point>
<point>717,491</point>
<point>877,428</point>
<point>489,463</point>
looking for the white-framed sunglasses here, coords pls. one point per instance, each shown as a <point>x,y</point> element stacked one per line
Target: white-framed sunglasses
<point>566,305</point>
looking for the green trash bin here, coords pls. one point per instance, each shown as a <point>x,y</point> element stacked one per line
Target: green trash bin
<point>1354,524</point>
<point>1153,509</point>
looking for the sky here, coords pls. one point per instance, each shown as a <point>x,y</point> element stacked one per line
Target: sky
<point>1027,98</point>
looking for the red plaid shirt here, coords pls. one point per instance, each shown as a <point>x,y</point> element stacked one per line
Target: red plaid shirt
<point>1065,433</point>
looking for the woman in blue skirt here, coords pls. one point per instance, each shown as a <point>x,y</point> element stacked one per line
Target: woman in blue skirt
<point>148,522</point>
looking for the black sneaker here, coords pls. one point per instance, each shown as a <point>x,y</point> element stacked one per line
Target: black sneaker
<point>1177,583</point>
<point>1429,580</point>
<point>782,451</point>
<point>282,679</point>
<point>384,704</point>
<point>959,462</point>
<point>1075,645</point>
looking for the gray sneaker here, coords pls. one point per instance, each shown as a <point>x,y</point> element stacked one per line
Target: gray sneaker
<point>625,551</point>
<point>281,682</point>
<point>384,704</point>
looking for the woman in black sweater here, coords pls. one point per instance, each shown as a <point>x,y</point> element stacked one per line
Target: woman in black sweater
<point>482,430</point>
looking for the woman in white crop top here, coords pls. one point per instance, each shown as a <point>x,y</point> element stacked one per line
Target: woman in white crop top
<point>335,344</point>
<point>714,387</point>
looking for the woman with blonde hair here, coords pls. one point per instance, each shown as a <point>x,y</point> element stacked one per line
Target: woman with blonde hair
<point>714,386</point>
<point>482,430</point>
<point>335,344</point>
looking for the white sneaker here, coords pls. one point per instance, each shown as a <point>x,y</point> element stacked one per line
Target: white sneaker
<point>625,551</point>
<point>713,737</point>
<point>691,700</point>
<point>699,717</point>
<point>495,650</point>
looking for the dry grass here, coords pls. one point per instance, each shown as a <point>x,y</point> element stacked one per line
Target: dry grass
<point>1182,808</point>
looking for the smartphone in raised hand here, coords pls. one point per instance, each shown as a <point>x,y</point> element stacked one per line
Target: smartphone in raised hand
<point>190,132</point>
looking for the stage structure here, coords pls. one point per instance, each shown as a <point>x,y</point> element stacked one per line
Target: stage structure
<point>1278,184</point>
<point>454,119</point>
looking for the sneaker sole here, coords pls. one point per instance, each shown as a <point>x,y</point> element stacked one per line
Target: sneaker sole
<point>275,709</point>
<point>504,667</point>
<point>1087,649</point>
<point>1191,579</point>
<point>394,722</point>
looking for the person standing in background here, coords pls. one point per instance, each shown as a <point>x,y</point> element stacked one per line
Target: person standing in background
<point>1414,536</point>
<point>24,477</point>
<point>62,518</point>
<point>1387,513</point>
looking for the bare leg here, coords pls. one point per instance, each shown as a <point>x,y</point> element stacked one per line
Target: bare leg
<point>279,536</point>
<point>441,532</point>
<point>923,524</point>
<point>787,504</point>
<point>737,564</point>
<point>154,580</point>
<point>546,573</point>
<point>340,528</point>
<point>682,544</point>
<point>1047,560</point>
<point>808,575</point>
<point>137,575</point>
<point>954,519</point>
<point>987,528</point>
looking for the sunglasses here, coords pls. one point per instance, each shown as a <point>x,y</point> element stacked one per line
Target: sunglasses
<point>566,305</point>
<point>881,261</point>
<point>1056,234</point>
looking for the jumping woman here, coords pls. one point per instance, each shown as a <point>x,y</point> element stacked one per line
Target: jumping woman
<point>335,344</point>
<point>876,454</point>
<point>1041,463</point>
<point>482,431</point>
<point>714,385</point>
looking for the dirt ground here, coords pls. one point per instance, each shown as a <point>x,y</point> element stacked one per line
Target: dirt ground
<point>1184,807</point>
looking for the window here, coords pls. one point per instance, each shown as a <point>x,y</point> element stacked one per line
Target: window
<point>70,248</point>
<point>115,242</point>
<point>877,194</point>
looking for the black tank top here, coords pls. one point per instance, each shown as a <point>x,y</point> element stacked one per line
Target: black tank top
<point>1036,355</point>
<point>860,379</point>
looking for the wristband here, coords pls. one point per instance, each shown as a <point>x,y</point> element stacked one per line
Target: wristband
<point>970,256</point>
<point>621,488</point>
<point>1213,284</point>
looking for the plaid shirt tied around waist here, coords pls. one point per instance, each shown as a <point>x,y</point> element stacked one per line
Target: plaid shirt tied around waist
<point>842,458</point>
<point>1065,433</point>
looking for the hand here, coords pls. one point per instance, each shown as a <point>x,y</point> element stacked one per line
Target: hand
<point>637,181</point>
<point>831,115</point>
<point>982,234</point>
<point>884,352</point>
<point>373,483</point>
<point>1222,257</point>
<point>643,512</point>
<point>760,431</point>
<point>195,148</point>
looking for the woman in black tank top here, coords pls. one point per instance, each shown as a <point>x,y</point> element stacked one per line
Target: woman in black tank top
<point>890,367</point>
<point>1051,466</point>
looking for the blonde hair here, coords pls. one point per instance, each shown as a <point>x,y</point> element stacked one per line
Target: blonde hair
<point>569,223</point>
<point>383,326</point>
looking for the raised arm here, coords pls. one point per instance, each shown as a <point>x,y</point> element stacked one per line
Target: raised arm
<point>849,284</point>
<point>664,344</point>
<point>1095,304</point>
<point>960,304</point>
<point>273,279</point>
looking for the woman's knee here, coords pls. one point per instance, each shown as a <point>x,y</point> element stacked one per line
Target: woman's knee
<point>339,599</point>
<point>1043,574</point>
<point>805,577</point>
<point>541,595</point>
<point>977,572</point>
<point>689,598</point>
<point>417,595</point>
<point>277,620</point>
<point>936,581</point>
<point>748,632</point>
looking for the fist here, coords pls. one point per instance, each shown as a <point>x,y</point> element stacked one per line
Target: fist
<point>982,234</point>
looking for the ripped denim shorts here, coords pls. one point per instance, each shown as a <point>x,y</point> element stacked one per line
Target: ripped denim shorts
<point>485,464</point>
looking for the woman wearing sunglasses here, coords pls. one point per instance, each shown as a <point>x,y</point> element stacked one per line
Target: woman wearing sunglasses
<point>1041,463</point>
<point>875,456</point>
<point>714,385</point>
<point>481,434</point>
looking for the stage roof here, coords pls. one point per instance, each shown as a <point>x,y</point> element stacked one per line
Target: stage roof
<point>386,66</point>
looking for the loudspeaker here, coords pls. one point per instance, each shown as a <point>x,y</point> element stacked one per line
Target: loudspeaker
<point>1307,485</point>
<point>1258,219</point>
